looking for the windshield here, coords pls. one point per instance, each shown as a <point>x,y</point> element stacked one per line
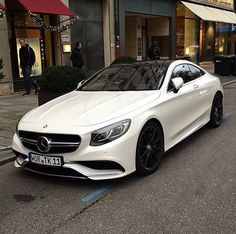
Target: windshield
<point>126,78</point>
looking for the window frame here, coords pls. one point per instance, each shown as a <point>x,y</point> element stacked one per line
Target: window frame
<point>186,83</point>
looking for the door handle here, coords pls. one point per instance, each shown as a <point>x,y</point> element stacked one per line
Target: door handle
<point>203,92</point>
<point>195,86</point>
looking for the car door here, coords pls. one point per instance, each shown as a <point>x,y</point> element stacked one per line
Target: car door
<point>203,86</point>
<point>182,106</point>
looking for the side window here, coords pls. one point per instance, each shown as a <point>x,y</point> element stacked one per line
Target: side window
<point>196,72</point>
<point>184,72</point>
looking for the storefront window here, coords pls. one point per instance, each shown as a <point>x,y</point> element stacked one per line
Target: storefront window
<point>221,38</point>
<point>33,38</point>
<point>187,36</point>
<point>29,30</point>
<point>26,28</point>
<point>192,39</point>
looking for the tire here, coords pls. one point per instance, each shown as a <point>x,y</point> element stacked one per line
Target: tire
<point>150,148</point>
<point>216,116</point>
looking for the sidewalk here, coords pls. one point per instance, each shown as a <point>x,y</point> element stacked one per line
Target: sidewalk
<point>13,107</point>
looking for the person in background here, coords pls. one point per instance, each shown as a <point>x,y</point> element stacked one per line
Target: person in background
<point>27,60</point>
<point>76,56</point>
<point>154,52</point>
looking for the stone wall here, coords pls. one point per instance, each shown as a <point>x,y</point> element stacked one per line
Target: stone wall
<point>6,86</point>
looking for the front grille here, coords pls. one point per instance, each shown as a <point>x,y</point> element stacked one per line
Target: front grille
<point>55,171</point>
<point>59,143</point>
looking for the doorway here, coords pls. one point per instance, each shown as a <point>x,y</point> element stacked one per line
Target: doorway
<point>144,30</point>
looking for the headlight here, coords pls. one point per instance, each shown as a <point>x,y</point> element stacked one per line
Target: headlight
<point>110,133</point>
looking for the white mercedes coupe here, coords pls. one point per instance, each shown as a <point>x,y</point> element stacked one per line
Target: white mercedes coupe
<point>120,120</point>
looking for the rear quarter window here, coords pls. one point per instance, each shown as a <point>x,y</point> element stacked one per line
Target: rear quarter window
<point>196,71</point>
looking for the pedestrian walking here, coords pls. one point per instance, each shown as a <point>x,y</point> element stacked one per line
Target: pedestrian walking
<point>27,60</point>
<point>154,52</point>
<point>76,56</point>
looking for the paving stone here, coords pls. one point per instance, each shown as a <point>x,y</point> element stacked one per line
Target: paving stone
<point>12,108</point>
<point>7,121</point>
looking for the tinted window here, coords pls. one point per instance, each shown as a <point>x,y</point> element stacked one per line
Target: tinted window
<point>184,72</point>
<point>196,72</point>
<point>122,78</point>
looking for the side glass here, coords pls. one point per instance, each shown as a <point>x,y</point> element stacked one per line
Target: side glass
<point>184,72</point>
<point>195,71</point>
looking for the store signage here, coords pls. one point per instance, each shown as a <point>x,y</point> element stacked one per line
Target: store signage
<point>65,38</point>
<point>222,3</point>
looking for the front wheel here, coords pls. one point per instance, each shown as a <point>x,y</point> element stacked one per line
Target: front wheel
<point>150,148</point>
<point>216,112</point>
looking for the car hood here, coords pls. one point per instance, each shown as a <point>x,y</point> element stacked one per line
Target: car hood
<point>89,108</point>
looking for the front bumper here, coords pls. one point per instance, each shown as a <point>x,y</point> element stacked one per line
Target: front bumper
<point>109,161</point>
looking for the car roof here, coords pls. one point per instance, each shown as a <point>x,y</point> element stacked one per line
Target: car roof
<point>159,63</point>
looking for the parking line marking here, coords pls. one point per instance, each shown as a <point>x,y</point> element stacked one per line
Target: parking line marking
<point>226,115</point>
<point>94,194</point>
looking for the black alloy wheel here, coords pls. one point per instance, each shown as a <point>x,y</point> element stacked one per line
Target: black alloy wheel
<point>216,112</point>
<point>150,148</point>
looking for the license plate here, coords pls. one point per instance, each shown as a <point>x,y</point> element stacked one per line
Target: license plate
<point>55,161</point>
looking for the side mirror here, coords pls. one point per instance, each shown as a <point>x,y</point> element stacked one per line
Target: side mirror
<point>177,83</point>
<point>80,83</point>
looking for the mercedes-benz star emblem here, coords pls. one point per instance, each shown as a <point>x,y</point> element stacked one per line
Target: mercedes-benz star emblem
<point>43,144</point>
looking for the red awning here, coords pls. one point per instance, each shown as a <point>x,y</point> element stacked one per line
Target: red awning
<point>1,6</point>
<point>47,7</point>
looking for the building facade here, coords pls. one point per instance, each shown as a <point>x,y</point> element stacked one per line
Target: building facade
<point>139,24</point>
<point>52,46</point>
<point>204,29</point>
<point>96,32</point>
<point>38,32</point>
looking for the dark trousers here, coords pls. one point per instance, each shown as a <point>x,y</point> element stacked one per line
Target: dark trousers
<point>26,71</point>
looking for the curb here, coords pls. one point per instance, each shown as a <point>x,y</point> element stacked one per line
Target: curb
<point>230,82</point>
<point>5,148</point>
<point>8,158</point>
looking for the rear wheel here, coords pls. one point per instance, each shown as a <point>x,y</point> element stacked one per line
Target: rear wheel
<point>216,112</point>
<point>150,148</point>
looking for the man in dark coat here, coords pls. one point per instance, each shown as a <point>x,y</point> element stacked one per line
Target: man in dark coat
<point>27,60</point>
<point>154,52</point>
<point>76,56</point>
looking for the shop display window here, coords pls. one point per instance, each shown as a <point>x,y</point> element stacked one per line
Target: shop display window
<point>187,34</point>
<point>221,38</point>
<point>34,43</point>
<point>33,38</point>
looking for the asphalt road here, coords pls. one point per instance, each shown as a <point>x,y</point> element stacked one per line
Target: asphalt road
<point>194,191</point>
